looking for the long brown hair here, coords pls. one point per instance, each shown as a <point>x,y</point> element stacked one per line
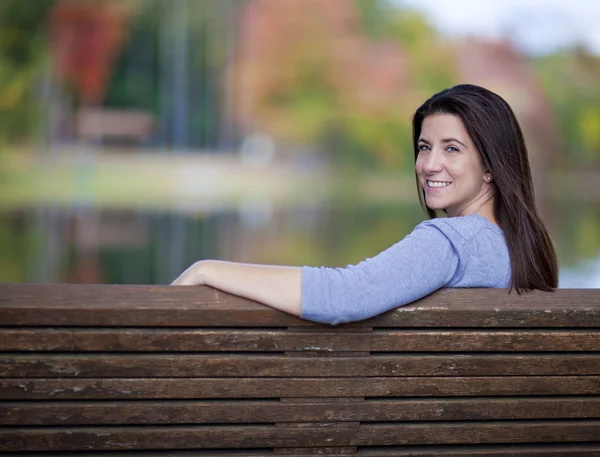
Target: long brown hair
<point>494,129</point>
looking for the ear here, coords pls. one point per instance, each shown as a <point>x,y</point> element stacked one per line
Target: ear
<point>487,177</point>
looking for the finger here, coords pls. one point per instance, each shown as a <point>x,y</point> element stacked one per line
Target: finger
<point>187,278</point>
<point>182,280</point>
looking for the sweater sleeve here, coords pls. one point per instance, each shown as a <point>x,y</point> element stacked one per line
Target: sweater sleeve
<point>422,262</point>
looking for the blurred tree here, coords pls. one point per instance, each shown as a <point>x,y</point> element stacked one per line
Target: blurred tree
<point>570,79</point>
<point>327,73</point>
<point>432,62</point>
<point>145,72</point>
<point>85,37</point>
<point>134,81</point>
<point>22,59</point>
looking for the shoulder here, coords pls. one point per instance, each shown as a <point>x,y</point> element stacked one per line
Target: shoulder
<point>481,247</point>
<point>463,228</point>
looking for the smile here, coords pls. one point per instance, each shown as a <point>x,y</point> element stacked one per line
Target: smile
<point>438,183</point>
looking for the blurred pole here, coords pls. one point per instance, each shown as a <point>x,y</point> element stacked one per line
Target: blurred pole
<point>174,87</point>
<point>245,107</point>
<point>181,87</point>
<point>230,25</point>
<point>225,223</point>
<point>162,272</point>
<point>49,250</point>
<point>181,92</point>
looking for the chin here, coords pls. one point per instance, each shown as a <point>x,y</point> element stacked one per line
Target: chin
<point>436,206</point>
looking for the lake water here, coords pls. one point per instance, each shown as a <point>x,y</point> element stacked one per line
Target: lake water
<point>83,244</point>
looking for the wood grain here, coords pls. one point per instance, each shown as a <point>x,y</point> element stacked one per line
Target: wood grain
<point>163,306</point>
<point>208,437</point>
<point>195,412</point>
<point>236,340</point>
<point>523,450</point>
<point>245,388</point>
<point>531,450</point>
<point>185,365</point>
<point>137,370</point>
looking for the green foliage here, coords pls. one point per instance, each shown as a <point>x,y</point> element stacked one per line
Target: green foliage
<point>18,244</point>
<point>570,80</point>
<point>373,16</point>
<point>432,63</point>
<point>134,81</point>
<point>22,59</point>
<point>142,77</point>
<point>21,23</point>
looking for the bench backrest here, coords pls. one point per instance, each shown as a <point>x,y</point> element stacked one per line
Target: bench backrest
<point>194,371</point>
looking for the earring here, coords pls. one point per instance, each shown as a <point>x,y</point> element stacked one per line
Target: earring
<point>488,178</point>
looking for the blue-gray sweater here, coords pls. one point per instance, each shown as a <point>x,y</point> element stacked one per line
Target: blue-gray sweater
<point>467,251</point>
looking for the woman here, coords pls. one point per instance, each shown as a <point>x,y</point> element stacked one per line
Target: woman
<point>471,163</point>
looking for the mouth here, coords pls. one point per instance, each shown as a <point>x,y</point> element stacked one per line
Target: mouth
<point>437,184</point>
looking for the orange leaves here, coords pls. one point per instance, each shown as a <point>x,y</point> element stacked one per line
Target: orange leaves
<point>85,38</point>
<point>307,64</point>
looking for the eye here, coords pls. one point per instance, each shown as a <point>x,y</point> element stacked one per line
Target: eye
<point>423,147</point>
<point>452,149</point>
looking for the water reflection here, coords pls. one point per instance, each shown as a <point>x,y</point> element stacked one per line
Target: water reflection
<point>86,245</point>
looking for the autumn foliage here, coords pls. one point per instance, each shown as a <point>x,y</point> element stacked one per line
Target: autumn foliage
<point>306,67</point>
<point>85,37</point>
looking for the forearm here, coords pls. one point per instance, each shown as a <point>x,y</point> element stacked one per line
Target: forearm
<point>276,286</point>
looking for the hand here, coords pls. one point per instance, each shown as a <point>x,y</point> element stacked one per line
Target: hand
<point>193,276</point>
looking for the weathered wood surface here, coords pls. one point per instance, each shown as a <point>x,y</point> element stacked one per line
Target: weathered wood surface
<point>531,450</point>
<point>77,339</point>
<point>244,388</point>
<point>59,305</point>
<point>519,450</point>
<point>137,370</point>
<point>150,365</point>
<point>260,436</point>
<point>193,412</point>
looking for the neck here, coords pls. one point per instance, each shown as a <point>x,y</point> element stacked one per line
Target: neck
<point>482,205</point>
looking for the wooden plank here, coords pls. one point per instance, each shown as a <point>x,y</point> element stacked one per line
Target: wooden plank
<point>216,340</point>
<point>164,306</point>
<point>60,305</point>
<point>521,450</point>
<point>167,453</point>
<point>339,450</point>
<point>186,365</point>
<point>198,388</point>
<point>197,412</point>
<point>15,439</point>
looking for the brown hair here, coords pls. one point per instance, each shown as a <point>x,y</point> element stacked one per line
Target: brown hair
<point>494,129</point>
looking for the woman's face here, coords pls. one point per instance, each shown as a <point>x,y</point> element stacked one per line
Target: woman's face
<point>450,168</point>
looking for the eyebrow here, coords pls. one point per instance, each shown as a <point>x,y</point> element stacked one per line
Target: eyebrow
<point>445,140</point>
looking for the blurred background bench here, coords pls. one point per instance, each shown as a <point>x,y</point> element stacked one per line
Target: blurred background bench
<point>154,370</point>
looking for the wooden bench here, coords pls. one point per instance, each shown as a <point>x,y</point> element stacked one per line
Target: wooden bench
<point>162,371</point>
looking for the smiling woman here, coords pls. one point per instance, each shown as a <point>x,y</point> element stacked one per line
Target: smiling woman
<point>471,164</point>
<point>450,169</point>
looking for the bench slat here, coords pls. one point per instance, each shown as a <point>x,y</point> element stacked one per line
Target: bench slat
<point>211,453</point>
<point>196,388</point>
<point>186,365</point>
<point>532,450</point>
<point>518,450</point>
<point>208,437</point>
<point>221,340</point>
<point>457,373</point>
<point>163,306</point>
<point>194,412</point>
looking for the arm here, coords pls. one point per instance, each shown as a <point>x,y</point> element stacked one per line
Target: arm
<point>421,263</point>
<point>278,287</point>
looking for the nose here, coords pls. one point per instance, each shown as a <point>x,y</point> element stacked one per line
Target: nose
<point>433,162</point>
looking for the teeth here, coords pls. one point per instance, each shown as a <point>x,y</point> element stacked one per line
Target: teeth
<point>437,184</point>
